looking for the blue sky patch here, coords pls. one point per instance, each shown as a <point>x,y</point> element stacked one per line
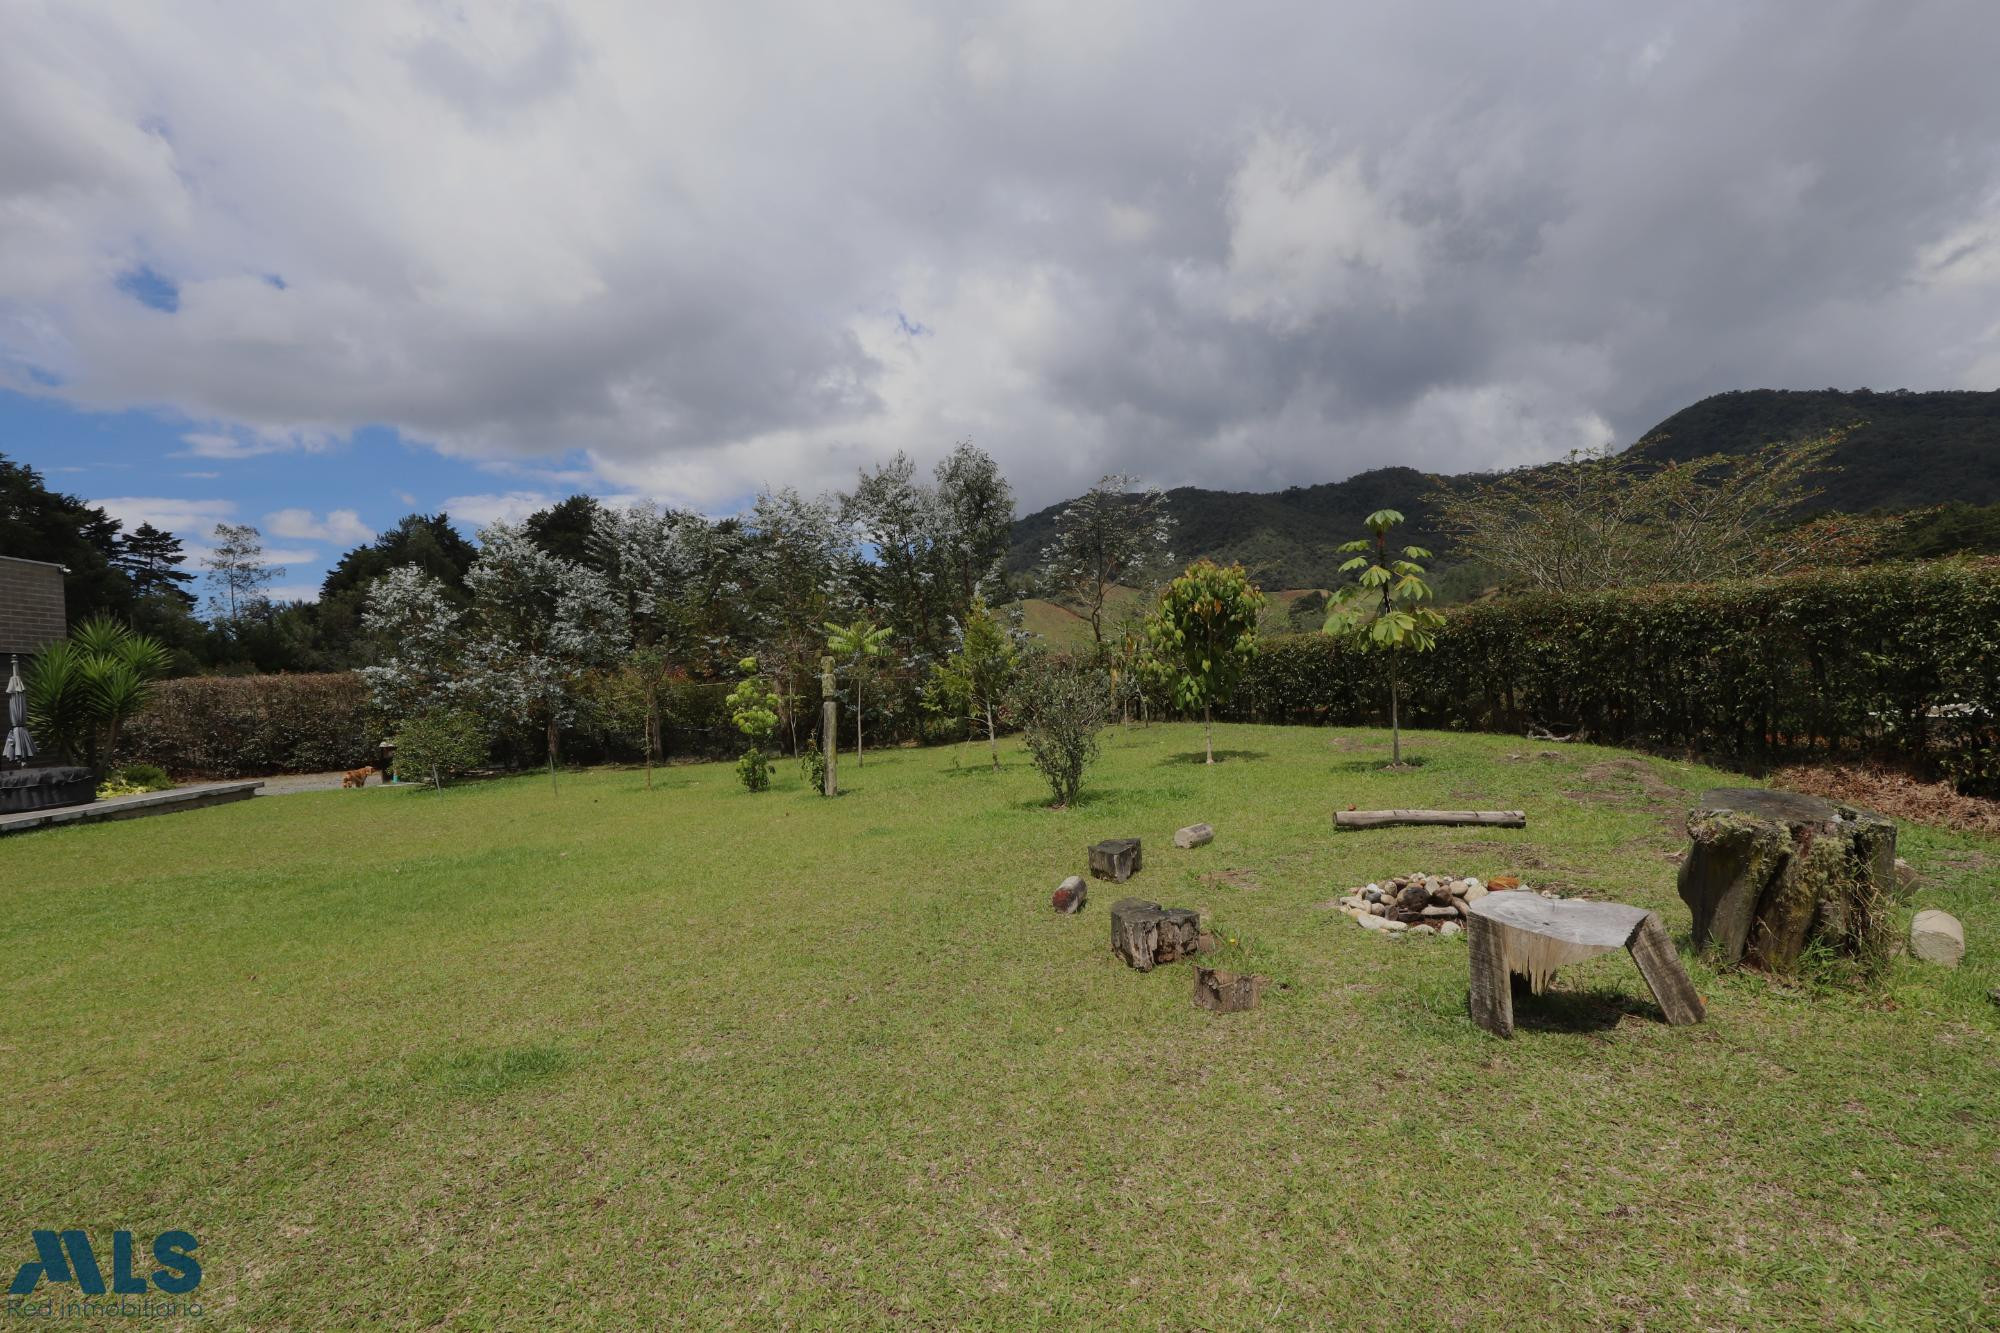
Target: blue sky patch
<point>150,288</point>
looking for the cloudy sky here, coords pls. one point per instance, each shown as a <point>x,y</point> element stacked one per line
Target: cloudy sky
<point>315,265</point>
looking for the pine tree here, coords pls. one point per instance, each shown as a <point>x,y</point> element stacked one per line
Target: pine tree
<point>151,559</point>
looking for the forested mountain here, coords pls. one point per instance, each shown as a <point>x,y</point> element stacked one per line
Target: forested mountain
<point>1904,451</point>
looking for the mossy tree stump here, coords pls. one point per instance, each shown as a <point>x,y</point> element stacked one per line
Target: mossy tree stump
<point>1770,872</point>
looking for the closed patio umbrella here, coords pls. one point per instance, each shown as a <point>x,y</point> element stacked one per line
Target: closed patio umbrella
<point>20,746</point>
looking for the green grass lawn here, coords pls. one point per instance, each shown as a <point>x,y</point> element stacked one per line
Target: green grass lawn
<point>494,1058</point>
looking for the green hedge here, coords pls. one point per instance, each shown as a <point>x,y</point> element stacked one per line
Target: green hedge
<point>248,726</point>
<point>1902,658</point>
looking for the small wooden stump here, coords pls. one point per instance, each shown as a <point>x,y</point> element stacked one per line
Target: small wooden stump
<point>1524,934</point>
<point>1115,859</point>
<point>1194,835</point>
<point>1769,871</point>
<point>1069,895</point>
<point>1226,992</point>
<point>1146,934</point>
<point>1384,818</point>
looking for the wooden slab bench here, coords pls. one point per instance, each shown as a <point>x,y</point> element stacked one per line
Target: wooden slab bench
<point>1515,933</point>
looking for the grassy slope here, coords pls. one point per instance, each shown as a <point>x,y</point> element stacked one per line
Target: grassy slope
<point>695,1054</point>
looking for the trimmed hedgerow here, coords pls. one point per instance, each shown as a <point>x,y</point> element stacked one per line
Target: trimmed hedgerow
<point>1899,658</point>
<point>244,726</point>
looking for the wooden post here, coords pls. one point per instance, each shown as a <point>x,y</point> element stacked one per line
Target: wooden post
<point>829,721</point>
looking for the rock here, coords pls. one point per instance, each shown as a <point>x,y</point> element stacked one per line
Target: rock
<point>1458,888</point>
<point>1115,859</point>
<point>1414,898</point>
<point>1475,893</point>
<point>1449,929</point>
<point>1371,894</point>
<point>1937,937</point>
<point>1504,882</point>
<point>1441,911</point>
<point>1069,895</point>
<point>1226,992</point>
<point>1423,930</point>
<point>1440,892</point>
<point>1372,922</point>
<point>1906,875</point>
<point>1194,835</point>
<point>1471,883</point>
<point>1395,926</point>
<point>1145,934</point>
<point>1378,909</point>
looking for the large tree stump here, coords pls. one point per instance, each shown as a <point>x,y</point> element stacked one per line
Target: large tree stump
<point>1770,871</point>
<point>1115,859</point>
<point>1145,934</point>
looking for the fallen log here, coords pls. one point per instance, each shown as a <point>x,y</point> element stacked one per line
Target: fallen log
<point>1383,818</point>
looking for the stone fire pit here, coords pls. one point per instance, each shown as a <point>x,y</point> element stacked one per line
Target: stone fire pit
<point>1422,904</point>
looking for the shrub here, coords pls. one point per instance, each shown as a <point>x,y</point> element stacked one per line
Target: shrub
<point>754,770</point>
<point>149,776</point>
<point>812,766</point>
<point>438,745</point>
<point>1062,703</point>
<point>237,726</point>
<point>1895,658</point>
<point>134,780</point>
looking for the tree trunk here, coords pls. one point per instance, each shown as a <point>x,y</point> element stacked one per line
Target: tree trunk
<point>1207,732</point>
<point>552,757</point>
<point>992,737</point>
<point>1770,872</point>
<point>652,729</point>
<point>1395,721</point>
<point>857,718</point>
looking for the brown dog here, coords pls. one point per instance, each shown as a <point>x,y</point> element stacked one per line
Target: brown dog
<point>356,777</point>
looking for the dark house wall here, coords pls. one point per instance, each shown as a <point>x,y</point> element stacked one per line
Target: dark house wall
<point>31,605</point>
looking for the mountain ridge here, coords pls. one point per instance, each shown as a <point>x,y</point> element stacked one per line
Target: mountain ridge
<point>1289,538</point>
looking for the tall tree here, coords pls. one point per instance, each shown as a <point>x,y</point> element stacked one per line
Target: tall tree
<point>977,507</point>
<point>412,623</point>
<point>974,681</point>
<point>538,623</point>
<point>151,560</point>
<point>1206,631</point>
<point>1106,536</point>
<point>37,523</point>
<point>801,566</point>
<point>1383,609</point>
<point>647,563</point>
<point>860,643</point>
<point>563,529</point>
<point>238,571</point>
<point>899,523</point>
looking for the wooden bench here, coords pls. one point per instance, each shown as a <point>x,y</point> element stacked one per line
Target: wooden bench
<point>1514,933</point>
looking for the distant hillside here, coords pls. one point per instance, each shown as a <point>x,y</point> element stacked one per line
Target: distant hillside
<point>1915,450</point>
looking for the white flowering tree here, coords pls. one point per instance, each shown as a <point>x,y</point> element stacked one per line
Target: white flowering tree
<point>538,623</point>
<point>419,644</point>
<point>649,559</point>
